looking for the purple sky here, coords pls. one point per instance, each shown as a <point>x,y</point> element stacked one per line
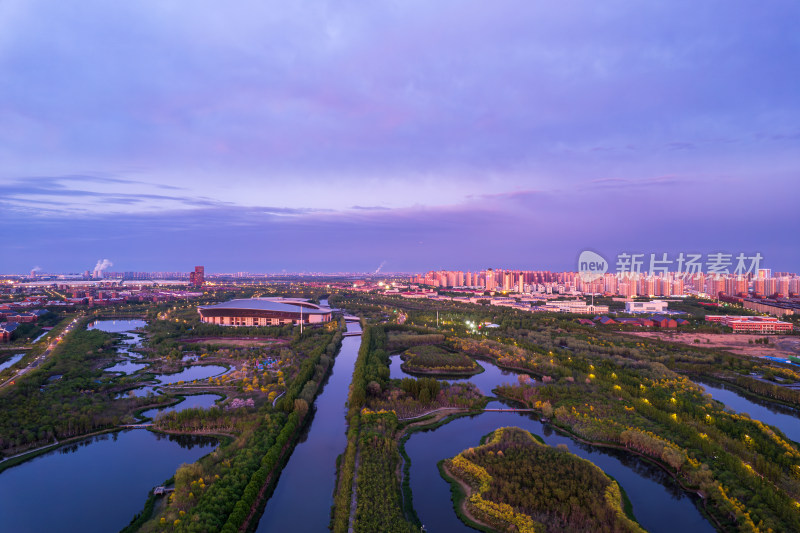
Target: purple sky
<point>264,136</point>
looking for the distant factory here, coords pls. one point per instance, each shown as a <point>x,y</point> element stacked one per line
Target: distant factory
<point>264,312</point>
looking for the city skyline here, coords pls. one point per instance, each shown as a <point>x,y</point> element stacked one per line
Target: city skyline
<point>339,137</point>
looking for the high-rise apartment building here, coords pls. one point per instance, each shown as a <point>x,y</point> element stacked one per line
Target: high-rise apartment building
<point>490,280</point>
<point>197,278</point>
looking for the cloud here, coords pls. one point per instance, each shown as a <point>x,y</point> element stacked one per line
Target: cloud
<point>469,235</point>
<point>678,145</point>
<point>369,208</point>
<point>60,192</point>
<point>268,128</point>
<point>780,136</point>
<point>324,94</point>
<point>509,195</point>
<point>641,183</point>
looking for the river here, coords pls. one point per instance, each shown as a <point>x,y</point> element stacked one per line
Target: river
<point>659,504</point>
<point>304,495</point>
<point>95,485</point>
<point>784,418</point>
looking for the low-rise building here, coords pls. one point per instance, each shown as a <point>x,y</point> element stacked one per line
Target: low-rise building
<point>664,322</point>
<point>654,306</point>
<point>574,306</point>
<point>751,324</point>
<point>6,330</point>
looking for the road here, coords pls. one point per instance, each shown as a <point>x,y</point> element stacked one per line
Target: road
<point>40,359</point>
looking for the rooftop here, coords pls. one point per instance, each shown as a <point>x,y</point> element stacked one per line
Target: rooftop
<point>270,304</point>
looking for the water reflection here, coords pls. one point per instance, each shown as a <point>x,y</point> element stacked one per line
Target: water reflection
<point>637,464</point>
<point>188,442</point>
<point>116,326</point>
<point>126,367</point>
<point>11,360</point>
<point>304,494</point>
<point>139,392</point>
<point>491,378</point>
<point>658,501</point>
<point>783,418</point>
<point>192,373</point>
<point>130,340</point>
<point>94,485</point>
<point>200,401</point>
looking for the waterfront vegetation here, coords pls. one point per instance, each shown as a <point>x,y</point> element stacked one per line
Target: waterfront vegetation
<point>520,484</point>
<point>375,402</point>
<point>606,388</point>
<point>598,385</point>
<point>225,490</point>
<point>435,359</point>
<point>275,383</point>
<point>64,397</point>
<point>397,341</point>
<point>378,500</point>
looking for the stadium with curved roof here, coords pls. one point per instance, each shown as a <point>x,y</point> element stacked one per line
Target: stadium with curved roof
<point>264,312</point>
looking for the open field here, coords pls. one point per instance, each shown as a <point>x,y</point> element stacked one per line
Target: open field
<point>738,343</point>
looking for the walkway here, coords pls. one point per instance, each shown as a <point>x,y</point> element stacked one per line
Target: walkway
<point>508,410</point>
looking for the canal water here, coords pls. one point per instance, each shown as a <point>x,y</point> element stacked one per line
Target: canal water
<point>11,360</point>
<point>304,495</point>
<point>41,336</point>
<point>95,485</point>
<point>784,418</point>
<point>659,504</point>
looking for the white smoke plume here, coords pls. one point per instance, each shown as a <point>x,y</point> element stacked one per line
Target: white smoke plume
<point>380,267</point>
<point>102,264</point>
<point>37,268</point>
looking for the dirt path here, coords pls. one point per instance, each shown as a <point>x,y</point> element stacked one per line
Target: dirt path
<point>353,500</point>
<point>467,493</point>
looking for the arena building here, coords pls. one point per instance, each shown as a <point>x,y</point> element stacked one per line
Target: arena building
<point>264,312</point>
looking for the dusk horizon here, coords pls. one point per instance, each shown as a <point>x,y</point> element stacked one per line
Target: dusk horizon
<point>339,137</point>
